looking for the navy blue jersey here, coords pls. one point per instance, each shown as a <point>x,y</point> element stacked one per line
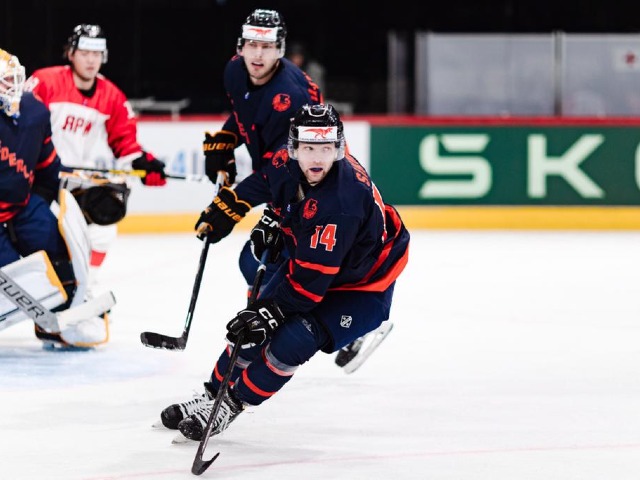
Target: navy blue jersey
<point>28,159</point>
<point>261,114</point>
<point>339,234</point>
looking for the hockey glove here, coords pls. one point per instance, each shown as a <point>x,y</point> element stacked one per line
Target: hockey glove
<point>219,218</point>
<point>154,168</point>
<point>257,322</point>
<point>218,155</point>
<point>267,235</point>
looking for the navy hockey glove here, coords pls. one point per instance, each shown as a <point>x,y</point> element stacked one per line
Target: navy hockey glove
<point>219,218</point>
<point>154,168</point>
<point>218,155</point>
<point>267,235</point>
<point>257,322</point>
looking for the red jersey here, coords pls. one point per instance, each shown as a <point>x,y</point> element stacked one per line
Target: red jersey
<point>80,123</point>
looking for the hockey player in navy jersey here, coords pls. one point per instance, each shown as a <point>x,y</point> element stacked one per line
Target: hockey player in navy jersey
<point>264,90</point>
<point>34,241</point>
<point>346,249</point>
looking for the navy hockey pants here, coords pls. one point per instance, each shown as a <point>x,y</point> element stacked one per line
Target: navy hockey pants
<point>341,317</point>
<point>35,228</point>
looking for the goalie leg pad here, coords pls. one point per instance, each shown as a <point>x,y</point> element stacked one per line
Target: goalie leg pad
<point>36,273</point>
<point>73,229</point>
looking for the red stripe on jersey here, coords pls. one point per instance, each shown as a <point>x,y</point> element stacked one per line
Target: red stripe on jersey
<point>305,293</point>
<point>47,162</point>
<point>47,141</point>
<point>319,268</point>
<point>382,283</point>
<point>252,386</point>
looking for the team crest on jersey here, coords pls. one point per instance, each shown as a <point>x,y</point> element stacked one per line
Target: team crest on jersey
<point>280,158</point>
<point>310,209</point>
<point>345,321</point>
<point>281,102</point>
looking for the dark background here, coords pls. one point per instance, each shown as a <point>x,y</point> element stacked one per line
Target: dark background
<point>172,49</point>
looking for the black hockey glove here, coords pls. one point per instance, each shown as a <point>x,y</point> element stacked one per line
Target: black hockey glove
<point>267,235</point>
<point>154,168</point>
<point>218,155</point>
<point>257,322</point>
<point>219,218</point>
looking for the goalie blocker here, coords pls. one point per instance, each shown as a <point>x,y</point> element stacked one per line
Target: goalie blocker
<point>80,324</point>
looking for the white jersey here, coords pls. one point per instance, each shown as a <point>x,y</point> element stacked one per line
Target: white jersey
<point>84,125</point>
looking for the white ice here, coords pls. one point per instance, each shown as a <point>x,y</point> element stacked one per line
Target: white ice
<point>515,356</point>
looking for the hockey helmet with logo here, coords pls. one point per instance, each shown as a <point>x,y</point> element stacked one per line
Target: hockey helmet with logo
<point>12,79</point>
<point>87,37</point>
<point>264,26</point>
<point>316,124</point>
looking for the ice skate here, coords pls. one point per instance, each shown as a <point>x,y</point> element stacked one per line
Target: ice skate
<point>193,426</point>
<point>174,414</point>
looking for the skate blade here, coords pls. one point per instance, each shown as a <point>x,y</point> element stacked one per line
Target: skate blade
<point>158,425</point>
<point>180,439</point>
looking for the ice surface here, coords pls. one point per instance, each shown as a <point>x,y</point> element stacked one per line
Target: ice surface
<point>515,356</point>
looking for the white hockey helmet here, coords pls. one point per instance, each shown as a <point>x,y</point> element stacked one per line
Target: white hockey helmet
<point>264,26</point>
<point>316,124</point>
<point>87,37</point>
<point>12,79</point>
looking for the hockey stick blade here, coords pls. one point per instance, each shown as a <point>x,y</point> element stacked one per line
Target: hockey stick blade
<point>199,466</point>
<point>157,340</point>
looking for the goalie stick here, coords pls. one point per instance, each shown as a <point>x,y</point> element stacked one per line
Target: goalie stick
<point>158,340</point>
<point>351,357</point>
<point>44,317</point>
<point>199,464</point>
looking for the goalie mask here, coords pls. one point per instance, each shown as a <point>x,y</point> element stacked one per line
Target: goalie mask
<point>316,124</point>
<point>264,26</point>
<point>87,37</point>
<point>103,204</point>
<point>12,79</point>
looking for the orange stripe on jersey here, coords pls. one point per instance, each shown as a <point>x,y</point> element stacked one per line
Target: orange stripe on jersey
<point>305,293</point>
<point>382,283</point>
<point>47,162</point>
<point>47,140</point>
<point>319,268</point>
<point>252,386</point>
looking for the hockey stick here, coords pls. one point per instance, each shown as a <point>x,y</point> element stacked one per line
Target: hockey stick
<point>141,173</point>
<point>200,465</point>
<point>158,340</point>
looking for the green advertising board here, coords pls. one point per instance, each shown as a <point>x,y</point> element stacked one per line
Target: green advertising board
<point>507,165</point>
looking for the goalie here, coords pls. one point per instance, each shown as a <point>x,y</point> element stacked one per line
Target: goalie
<point>44,249</point>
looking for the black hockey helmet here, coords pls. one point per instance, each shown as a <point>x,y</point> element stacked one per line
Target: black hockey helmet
<point>316,124</point>
<point>87,37</point>
<point>264,26</point>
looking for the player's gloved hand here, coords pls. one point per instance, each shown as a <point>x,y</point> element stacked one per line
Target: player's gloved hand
<point>267,235</point>
<point>219,218</point>
<point>218,155</point>
<point>154,168</point>
<point>257,322</point>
